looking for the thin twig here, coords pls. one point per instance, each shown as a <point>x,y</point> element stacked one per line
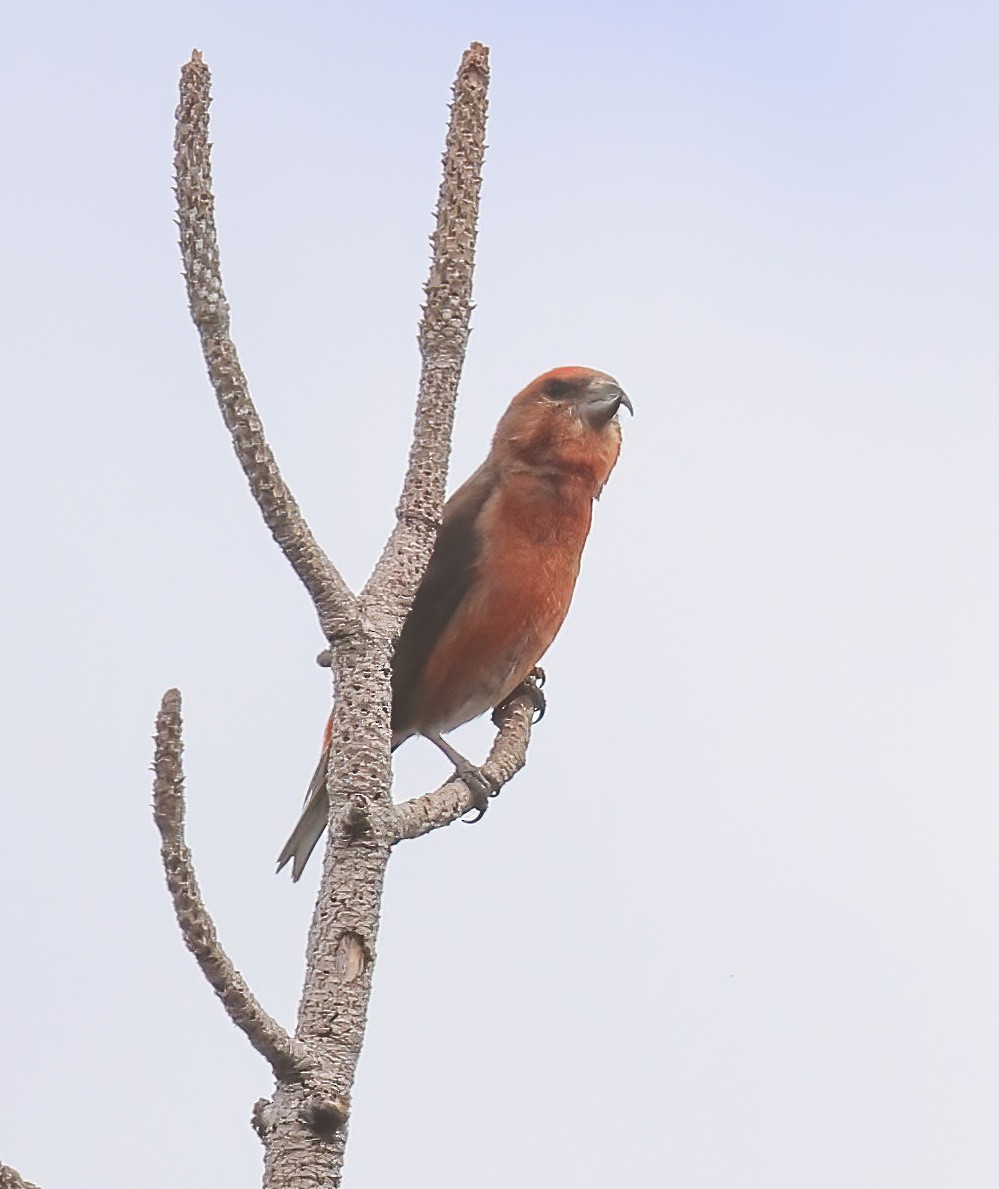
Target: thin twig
<point>334,602</point>
<point>443,338</point>
<point>11,1179</point>
<point>287,1057</point>
<point>453,800</point>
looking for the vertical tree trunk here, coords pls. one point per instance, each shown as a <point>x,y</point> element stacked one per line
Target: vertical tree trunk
<point>306,1138</point>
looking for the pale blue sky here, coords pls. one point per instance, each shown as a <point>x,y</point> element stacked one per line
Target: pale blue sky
<point>737,919</point>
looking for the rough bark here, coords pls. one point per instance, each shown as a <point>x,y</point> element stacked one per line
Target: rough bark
<point>286,1057</point>
<point>199,248</point>
<point>451,801</point>
<point>11,1179</point>
<point>443,338</point>
<point>304,1126</point>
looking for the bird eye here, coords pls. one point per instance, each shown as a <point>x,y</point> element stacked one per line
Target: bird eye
<point>558,389</point>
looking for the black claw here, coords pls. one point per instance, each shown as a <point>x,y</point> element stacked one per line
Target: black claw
<point>480,791</point>
<point>480,801</point>
<point>531,686</point>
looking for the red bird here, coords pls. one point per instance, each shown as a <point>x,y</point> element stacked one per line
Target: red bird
<point>501,575</point>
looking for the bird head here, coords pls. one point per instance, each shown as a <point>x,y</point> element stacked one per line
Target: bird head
<point>565,423</point>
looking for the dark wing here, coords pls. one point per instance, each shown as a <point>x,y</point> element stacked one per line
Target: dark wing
<point>449,575</point>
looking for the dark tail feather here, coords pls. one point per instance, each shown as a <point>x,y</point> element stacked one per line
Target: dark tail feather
<point>311,824</point>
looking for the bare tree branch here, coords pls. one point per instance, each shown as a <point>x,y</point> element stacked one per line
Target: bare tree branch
<point>334,602</point>
<point>453,800</point>
<point>287,1057</point>
<point>443,338</point>
<point>343,936</point>
<point>11,1179</point>
<point>304,1126</point>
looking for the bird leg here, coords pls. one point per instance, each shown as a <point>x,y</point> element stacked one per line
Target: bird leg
<point>531,685</point>
<point>478,785</point>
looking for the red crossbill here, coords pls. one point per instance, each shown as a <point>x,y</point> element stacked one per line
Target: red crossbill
<point>501,575</point>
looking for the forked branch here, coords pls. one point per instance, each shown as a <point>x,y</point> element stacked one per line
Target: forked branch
<point>304,1126</point>
<point>334,602</point>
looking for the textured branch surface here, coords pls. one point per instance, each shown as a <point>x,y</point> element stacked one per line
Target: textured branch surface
<point>344,931</point>
<point>443,338</point>
<point>453,800</point>
<point>304,1126</point>
<point>287,1057</point>
<point>10,1179</point>
<point>340,954</point>
<point>334,602</point>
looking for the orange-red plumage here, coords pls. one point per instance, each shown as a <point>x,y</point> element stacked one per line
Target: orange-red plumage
<point>502,573</point>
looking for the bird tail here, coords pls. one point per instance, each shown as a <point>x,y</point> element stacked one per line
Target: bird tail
<point>311,824</point>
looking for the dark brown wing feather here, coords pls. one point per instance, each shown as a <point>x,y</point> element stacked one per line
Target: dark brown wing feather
<point>449,575</point>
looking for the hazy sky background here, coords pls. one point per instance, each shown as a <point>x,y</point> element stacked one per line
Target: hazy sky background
<point>735,925</point>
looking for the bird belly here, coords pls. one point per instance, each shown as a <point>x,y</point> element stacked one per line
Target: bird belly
<point>486,653</point>
<point>513,611</point>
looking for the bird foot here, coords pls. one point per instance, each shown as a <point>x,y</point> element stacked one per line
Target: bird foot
<point>531,686</point>
<point>480,787</point>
